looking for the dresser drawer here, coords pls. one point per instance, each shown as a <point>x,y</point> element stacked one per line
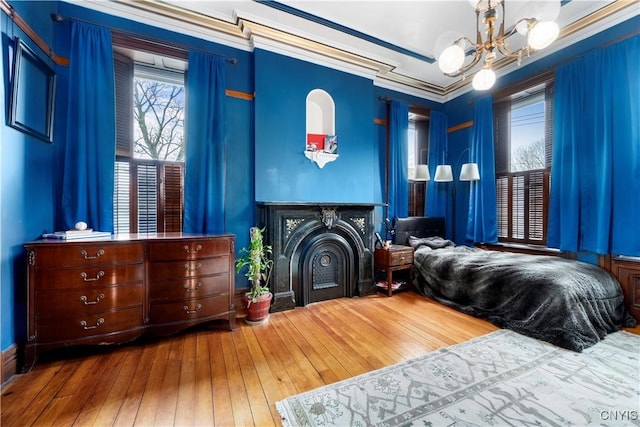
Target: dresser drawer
<point>185,269</point>
<point>188,249</point>
<point>89,277</point>
<point>88,325</point>
<point>198,308</point>
<point>86,254</point>
<point>87,301</point>
<point>189,288</point>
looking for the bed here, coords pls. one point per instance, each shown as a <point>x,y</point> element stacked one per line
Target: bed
<point>568,303</point>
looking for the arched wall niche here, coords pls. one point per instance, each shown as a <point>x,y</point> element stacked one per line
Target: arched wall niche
<point>322,143</point>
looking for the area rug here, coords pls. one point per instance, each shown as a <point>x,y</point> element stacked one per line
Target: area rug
<point>502,378</point>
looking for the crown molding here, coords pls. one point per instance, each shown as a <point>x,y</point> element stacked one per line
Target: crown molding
<point>245,33</point>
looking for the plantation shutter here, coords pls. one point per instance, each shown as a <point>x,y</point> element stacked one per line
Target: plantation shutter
<point>172,208</point>
<point>502,202</point>
<point>147,198</point>
<point>121,199</point>
<point>536,205</point>
<point>517,207</point>
<point>123,68</point>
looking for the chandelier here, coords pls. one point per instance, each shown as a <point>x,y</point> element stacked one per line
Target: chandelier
<point>490,15</point>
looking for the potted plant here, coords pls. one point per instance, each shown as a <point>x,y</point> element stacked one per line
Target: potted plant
<point>256,259</point>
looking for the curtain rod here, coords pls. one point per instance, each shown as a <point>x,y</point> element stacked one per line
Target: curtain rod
<point>184,50</point>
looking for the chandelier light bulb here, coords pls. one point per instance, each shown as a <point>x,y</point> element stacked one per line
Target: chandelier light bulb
<point>484,79</point>
<point>542,34</point>
<point>451,59</point>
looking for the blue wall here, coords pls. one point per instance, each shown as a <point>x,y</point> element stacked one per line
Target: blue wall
<point>26,188</point>
<point>282,171</point>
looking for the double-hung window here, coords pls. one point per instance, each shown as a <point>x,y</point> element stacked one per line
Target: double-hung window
<point>149,166</point>
<point>418,144</point>
<point>523,143</point>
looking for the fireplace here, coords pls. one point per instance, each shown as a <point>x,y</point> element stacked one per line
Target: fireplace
<point>320,250</point>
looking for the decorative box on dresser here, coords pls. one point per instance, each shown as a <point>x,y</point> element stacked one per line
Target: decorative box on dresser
<point>112,290</point>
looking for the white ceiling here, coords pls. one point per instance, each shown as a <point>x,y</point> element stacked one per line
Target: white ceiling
<point>392,42</point>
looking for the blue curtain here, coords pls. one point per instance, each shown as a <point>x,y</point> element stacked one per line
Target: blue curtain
<point>595,173</point>
<point>205,145</point>
<point>398,165</point>
<point>437,198</point>
<point>89,154</point>
<point>482,223</point>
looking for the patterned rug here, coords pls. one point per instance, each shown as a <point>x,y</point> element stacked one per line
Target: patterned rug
<point>502,378</point>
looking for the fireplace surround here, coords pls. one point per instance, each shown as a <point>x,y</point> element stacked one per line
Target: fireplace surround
<point>320,250</point>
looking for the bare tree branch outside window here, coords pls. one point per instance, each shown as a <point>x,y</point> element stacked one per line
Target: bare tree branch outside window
<point>159,120</point>
<point>529,157</point>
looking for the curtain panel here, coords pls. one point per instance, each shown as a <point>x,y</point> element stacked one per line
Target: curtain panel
<point>437,199</point>
<point>595,174</point>
<point>205,145</point>
<point>482,221</point>
<point>89,153</point>
<point>398,164</point>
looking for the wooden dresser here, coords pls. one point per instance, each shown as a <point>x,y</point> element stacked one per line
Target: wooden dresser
<point>112,290</point>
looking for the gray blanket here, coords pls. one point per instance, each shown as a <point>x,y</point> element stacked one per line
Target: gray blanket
<point>568,303</point>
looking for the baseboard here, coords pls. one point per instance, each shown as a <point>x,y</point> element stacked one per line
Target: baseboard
<point>9,360</point>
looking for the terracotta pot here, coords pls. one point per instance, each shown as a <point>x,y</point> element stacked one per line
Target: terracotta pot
<point>259,310</point>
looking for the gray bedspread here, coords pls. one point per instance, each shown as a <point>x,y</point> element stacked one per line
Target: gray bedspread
<point>568,303</point>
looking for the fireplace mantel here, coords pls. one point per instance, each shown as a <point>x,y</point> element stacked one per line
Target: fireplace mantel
<point>295,228</point>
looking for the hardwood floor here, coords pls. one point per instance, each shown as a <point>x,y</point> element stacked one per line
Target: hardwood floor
<point>216,377</point>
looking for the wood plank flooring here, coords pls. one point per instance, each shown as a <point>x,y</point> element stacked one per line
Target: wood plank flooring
<point>215,377</point>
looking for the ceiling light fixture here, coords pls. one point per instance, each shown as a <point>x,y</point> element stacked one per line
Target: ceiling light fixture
<point>490,13</point>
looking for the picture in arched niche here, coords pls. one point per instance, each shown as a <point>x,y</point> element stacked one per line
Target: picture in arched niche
<point>322,142</point>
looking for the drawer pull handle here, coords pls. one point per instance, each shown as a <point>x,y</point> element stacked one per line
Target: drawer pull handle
<point>98,323</point>
<point>92,279</point>
<point>196,268</point>
<point>195,251</point>
<point>84,299</point>
<point>190,289</point>
<point>86,255</point>
<point>197,308</point>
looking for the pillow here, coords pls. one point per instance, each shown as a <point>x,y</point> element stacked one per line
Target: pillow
<point>430,242</point>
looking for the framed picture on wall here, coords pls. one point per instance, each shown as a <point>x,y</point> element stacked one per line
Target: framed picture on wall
<point>32,94</point>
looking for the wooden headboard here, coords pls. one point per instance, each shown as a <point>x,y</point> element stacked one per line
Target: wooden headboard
<point>418,226</point>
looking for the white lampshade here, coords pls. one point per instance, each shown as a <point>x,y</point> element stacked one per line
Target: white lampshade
<point>469,172</point>
<point>443,173</point>
<point>542,34</point>
<point>484,79</point>
<point>451,59</point>
<point>422,173</point>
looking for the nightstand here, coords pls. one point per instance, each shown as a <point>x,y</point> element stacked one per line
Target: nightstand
<point>395,258</point>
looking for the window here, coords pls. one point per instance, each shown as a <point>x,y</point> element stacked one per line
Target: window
<point>523,141</point>
<point>149,167</point>
<point>418,144</point>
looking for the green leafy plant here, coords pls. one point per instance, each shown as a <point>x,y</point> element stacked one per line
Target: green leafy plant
<point>256,259</point>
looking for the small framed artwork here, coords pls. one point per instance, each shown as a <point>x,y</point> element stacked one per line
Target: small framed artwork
<point>33,93</point>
